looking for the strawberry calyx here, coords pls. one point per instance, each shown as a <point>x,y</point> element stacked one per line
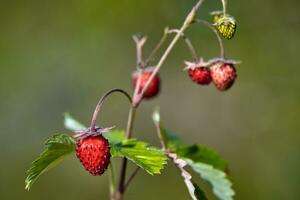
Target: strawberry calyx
<point>91,132</point>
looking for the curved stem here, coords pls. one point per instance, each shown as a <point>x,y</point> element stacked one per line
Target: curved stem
<point>188,43</point>
<point>224,3</point>
<point>100,103</point>
<point>222,52</point>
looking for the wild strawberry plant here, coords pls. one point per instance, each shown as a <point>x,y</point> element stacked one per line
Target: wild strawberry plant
<point>97,147</point>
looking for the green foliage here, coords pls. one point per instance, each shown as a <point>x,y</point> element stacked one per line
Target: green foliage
<point>57,147</point>
<point>171,140</point>
<point>218,180</point>
<point>115,136</point>
<point>202,154</point>
<point>148,158</point>
<point>205,161</point>
<point>196,153</point>
<point>194,190</point>
<point>72,124</point>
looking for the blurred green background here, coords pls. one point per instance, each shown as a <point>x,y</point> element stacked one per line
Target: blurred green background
<point>61,55</point>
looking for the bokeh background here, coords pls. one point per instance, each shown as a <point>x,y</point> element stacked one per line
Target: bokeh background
<point>60,55</point>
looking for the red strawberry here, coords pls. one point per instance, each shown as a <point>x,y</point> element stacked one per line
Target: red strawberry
<point>94,154</point>
<point>200,75</point>
<point>223,75</point>
<point>154,85</point>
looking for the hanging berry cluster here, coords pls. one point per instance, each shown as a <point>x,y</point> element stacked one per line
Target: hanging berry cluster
<point>96,146</point>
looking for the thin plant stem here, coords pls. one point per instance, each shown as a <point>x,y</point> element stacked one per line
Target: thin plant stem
<point>136,100</point>
<point>224,3</point>
<point>158,130</point>
<point>102,100</point>
<point>163,39</point>
<point>140,42</point>
<point>131,118</point>
<point>129,127</point>
<point>162,60</point>
<point>112,179</point>
<point>158,46</point>
<point>222,52</point>
<point>139,46</point>
<point>131,177</point>
<point>188,43</point>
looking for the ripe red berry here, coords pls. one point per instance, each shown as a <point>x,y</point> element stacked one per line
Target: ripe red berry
<point>223,75</point>
<point>154,85</point>
<point>200,75</point>
<point>94,154</point>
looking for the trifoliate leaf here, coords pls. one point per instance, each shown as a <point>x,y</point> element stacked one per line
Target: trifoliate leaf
<point>72,124</point>
<point>202,154</point>
<point>194,190</point>
<point>148,158</point>
<point>221,185</point>
<point>57,147</point>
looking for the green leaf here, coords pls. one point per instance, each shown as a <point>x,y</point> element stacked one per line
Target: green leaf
<point>72,124</point>
<point>220,183</point>
<point>115,136</point>
<point>148,158</point>
<point>171,140</point>
<point>203,160</point>
<point>57,147</point>
<point>196,153</point>
<point>202,154</point>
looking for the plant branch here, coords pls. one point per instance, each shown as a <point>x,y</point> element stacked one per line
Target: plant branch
<point>156,120</point>
<point>112,179</point>
<point>188,43</point>
<point>131,177</point>
<point>137,97</point>
<point>140,65</point>
<point>129,127</point>
<point>162,60</point>
<point>140,42</point>
<point>100,103</point>
<point>157,47</point>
